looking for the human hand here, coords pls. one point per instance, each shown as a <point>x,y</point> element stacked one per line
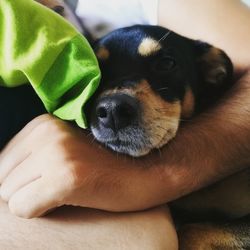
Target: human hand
<point>50,163</point>
<point>43,167</point>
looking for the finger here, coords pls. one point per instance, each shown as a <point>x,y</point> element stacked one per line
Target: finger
<point>35,199</point>
<point>19,148</point>
<point>22,175</point>
<point>20,136</point>
<point>11,162</point>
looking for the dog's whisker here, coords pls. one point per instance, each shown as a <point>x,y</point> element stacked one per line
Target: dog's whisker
<point>164,129</point>
<point>185,120</point>
<point>160,153</point>
<point>144,88</point>
<point>165,36</point>
<point>169,111</point>
<point>93,140</point>
<point>162,89</point>
<point>89,134</point>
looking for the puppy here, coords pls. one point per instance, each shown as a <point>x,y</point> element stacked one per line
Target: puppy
<point>152,79</point>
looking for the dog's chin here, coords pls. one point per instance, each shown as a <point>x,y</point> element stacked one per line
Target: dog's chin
<point>130,140</point>
<point>135,147</point>
<point>134,151</point>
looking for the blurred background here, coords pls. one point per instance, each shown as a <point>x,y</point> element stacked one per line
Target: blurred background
<point>98,17</point>
<point>73,3</point>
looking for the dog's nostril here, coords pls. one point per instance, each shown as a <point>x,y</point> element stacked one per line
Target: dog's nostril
<point>102,112</point>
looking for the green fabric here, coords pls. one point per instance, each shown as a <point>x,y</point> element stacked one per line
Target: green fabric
<point>39,47</point>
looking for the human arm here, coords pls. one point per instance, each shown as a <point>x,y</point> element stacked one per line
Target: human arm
<point>223,23</point>
<point>49,163</point>
<point>77,228</point>
<point>205,150</point>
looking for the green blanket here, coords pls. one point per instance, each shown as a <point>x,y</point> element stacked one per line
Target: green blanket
<point>39,47</point>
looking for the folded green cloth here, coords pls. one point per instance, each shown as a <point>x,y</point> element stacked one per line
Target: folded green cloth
<point>39,47</point>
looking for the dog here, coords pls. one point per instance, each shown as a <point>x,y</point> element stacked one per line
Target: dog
<point>152,81</point>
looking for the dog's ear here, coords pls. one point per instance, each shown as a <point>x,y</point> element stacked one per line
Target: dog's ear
<point>215,66</point>
<point>215,72</point>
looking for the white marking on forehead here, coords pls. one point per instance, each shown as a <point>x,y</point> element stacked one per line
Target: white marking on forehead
<point>148,46</point>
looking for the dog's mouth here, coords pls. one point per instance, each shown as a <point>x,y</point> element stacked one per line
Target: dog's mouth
<point>135,141</point>
<point>131,140</point>
<point>128,147</point>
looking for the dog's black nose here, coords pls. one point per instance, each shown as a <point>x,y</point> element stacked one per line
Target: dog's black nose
<point>117,111</point>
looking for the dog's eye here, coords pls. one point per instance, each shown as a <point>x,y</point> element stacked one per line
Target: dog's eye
<point>165,64</point>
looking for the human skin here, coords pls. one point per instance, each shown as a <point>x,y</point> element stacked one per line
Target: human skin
<point>50,163</point>
<point>223,23</point>
<point>71,228</point>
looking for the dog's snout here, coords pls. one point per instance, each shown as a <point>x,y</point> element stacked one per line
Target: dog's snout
<point>117,111</point>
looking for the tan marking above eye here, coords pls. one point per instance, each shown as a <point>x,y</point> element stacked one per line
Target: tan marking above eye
<point>102,53</point>
<point>188,103</point>
<point>148,47</point>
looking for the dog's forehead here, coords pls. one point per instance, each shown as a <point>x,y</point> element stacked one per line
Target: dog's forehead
<point>132,41</point>
<point>139,52</point>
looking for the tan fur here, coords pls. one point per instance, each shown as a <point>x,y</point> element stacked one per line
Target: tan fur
<point>148,47</point>
<point>188,103</point>
<point>102,54</point>
<point>207,237</point>
<point>161,118</point>
<point>224,197</point>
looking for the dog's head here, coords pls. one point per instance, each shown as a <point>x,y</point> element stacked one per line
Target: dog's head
<point>151,79</point>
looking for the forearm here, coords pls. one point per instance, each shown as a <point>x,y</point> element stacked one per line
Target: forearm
<point>223,23</point>
<point>215,144</point>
